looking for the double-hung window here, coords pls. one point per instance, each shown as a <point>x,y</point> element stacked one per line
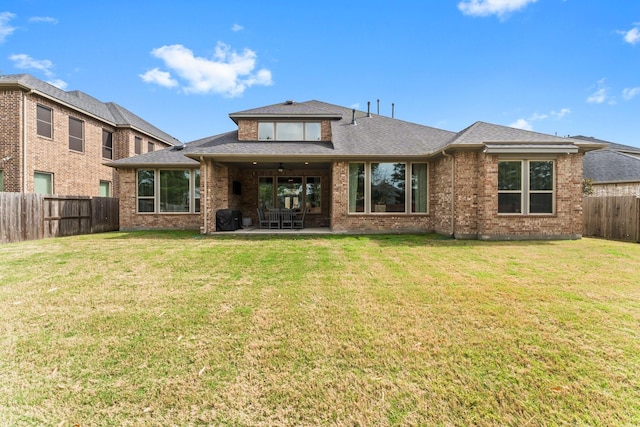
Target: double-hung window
<point>526,187</point>
<point>107,144</point>
<point>76,134</point>
<point>388,187</point>
<point>137,145</point>
<point>44,121</point>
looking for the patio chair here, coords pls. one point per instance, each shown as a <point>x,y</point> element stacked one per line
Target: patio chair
<point>286,218</point>
<point>274,218</point>
<point>264,223</point>
<point>299,222</point>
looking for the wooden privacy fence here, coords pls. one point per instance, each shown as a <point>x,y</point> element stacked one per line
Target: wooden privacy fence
<point>615,217</point>
<point>36,216</point>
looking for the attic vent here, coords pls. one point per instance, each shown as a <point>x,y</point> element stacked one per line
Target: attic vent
<point>289,102</point>
<point>178,147</point>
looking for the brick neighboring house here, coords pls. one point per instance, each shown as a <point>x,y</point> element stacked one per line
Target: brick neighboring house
<point>613,170</point>
<point>56,142</point>
<point>353,171</point>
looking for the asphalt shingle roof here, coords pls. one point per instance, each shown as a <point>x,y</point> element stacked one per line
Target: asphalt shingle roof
<point>615,163</point>
<point>109,112</point>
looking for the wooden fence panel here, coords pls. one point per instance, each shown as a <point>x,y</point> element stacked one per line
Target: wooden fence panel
<point>615,217</point>
<point>105,214</point>
<point>35,216</point>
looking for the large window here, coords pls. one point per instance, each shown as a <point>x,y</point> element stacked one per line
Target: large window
<point>382,187</point>
<point>290,192</point>
<point>43,183</point>
<point>107,144</point>
<point>169,191</point>
<point>289,131</point>
<point>525,187</point>
<point>44,121</point>
<point>76,134</point>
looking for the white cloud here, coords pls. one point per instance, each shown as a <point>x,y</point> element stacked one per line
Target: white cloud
<point>45,66</point>
<point>45,19</point>
<point>521,124</point>
<point>26,62</point>
<point>60,84</point>
<point>633,35</point>
<point>560,114</point>
<point>228,73</point>
<point>162,78</point>
<point>237,27</point>
<point>601,94</point>
<point>5,29</point>
<point>630,93</point>
<point>501,8</point>
<point>527,124</point>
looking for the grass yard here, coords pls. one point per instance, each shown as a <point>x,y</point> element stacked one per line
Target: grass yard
<point>179,329</point>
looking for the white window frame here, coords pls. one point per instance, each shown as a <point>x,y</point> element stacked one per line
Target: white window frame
<point>408,188</point>
<point>525,187</point>
<point>51,181</point>
<point>194,192</point>
<point>273,132</point>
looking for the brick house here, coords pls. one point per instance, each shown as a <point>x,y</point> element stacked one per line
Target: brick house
<point>613,170</point>
<point>354,171</point>
<point>56,142</point>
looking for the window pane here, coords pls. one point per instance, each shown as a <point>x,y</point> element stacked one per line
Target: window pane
<point>289,192</point>
<point>312,195</point>
<point>145,205</point>
<point>196,187</point>
<point>312,131</point>
<point>265,131</point>
<point>174,190</point>
<point>105,189</point>
<point>509,202</point>
<point>541,203</point>
<point>145,183</point>
<point>509,176</point>
<point>76,134</point>
<point>541,175</point>
<point>150,147</point>
<point>356,187</point>
<point>289,132</point>
<point>388,187</point>
<point>44,121</point>
<point>265,192</point>
<point>419,187</point>
<point>107,144</point>
<point>43,183</point>
<point>138,145</point>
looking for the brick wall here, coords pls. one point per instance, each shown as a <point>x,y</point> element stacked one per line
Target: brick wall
<point>131,220</point>
<point>617,189</point>
<point>11,139</point>
<point>566,222</point>
<point>440,191</point>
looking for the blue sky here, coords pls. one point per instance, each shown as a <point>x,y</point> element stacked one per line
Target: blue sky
<point>562,67</point>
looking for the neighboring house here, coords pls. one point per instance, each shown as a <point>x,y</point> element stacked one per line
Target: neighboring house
<point>614,170</point>
<point>54,141</point>
<point>357,172</point>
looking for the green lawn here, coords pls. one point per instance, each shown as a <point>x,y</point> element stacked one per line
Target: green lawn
<point>181,329</point>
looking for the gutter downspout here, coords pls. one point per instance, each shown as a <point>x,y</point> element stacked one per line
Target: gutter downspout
<point>453,182</point>
<point>204,206</point>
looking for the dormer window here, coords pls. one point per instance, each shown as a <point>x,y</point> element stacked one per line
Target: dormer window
<point>289,131</point>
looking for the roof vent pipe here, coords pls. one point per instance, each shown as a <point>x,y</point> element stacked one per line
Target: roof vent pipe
<point>378,107</point>
<point>393,109</point>
<point>353,117</point>
<point>368,108</point>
